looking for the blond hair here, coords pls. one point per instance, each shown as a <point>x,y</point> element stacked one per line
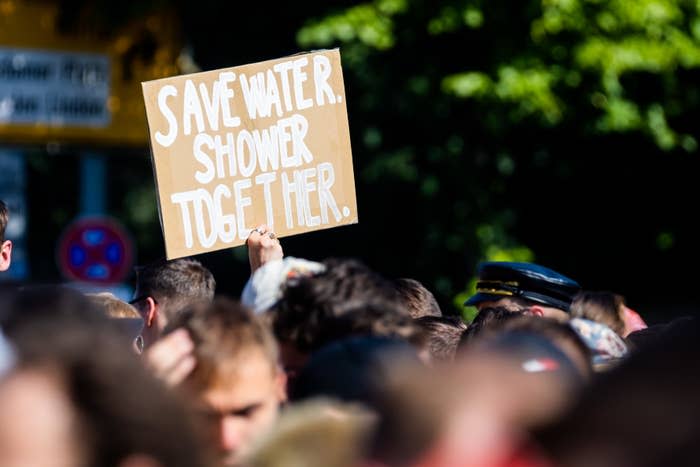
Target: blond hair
<point>112,306</point>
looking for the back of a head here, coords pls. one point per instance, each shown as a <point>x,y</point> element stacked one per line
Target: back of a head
<point>120,409</point>
<point>343,300</point>
<point>487,320</point>
<point>601,307</point>
<point>560,335</point>
<point>351,370</point>
<point>176,284</point>
<point>223,332</point>
<point>416,299</point>
<point>123,315</point>
<point>112,306</point>
<point>33,306</point>
<point>644,413</point>
<point>316,433</point>
<point>344,283</point>
<point>652,335</point>
<point>534,340</point>
<point>443,334</point>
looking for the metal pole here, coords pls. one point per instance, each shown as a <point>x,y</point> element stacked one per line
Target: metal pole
<point>93,184</point>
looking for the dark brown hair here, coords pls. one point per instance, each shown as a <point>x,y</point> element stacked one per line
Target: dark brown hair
<point>348,299</point>
<point>416,299</point>
<point>443,334</point>
<point>487,320</point>
<point>601,307</point>
<point>176,285</point>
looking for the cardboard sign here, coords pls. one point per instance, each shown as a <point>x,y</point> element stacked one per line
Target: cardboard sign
<point>266,143</point>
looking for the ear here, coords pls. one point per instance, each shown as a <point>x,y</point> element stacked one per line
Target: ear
<point>536,311</point>
<point>281,385</point>
<point>151,311</point>
<point>5,255</point>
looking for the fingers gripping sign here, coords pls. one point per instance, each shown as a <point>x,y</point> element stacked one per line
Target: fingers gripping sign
<point>263,246</point>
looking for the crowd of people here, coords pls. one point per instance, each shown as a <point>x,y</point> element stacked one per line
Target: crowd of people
<point>331,364</point>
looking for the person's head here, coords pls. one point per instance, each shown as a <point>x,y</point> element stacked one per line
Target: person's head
<point>352,370</point>
<point>358,370</point>
<point>493,323</point>
<point>238,384</point>
<point>31,307</point>
<point>113,307</point>
<point>316,433</point>
<point>75,398</point>
<point>347,299</point>
<point>645,413</point>
<point>488,320</point>
<point>471,412</point>
<point>5,245</point>
<point>560,335</point>
<point>527,287</point>
<point>657,333</point>
<point>37,421</point>
<point>167,288</point>
<point>123,315</point>
<point>443,334</point>
<point>602,307</point>
<point>416,299</point>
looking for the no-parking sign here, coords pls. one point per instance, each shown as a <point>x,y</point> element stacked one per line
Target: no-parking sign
<point>97,250</point>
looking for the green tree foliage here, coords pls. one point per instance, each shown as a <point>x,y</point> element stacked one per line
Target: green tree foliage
<point>557,130</point>
<point>456,98</point>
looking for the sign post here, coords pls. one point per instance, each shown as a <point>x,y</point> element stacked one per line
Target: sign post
<point>265,143</point>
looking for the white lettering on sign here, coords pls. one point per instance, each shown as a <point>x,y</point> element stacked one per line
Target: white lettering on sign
<point>253,144</point>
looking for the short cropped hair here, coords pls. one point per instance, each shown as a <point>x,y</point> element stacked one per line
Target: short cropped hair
<point>443,334</point>
<point>416,299</point>
<point>223,332</point>
<point>601,307</point>
<point>176,284</point>
<point>347,299</point>
<point>4,219</point>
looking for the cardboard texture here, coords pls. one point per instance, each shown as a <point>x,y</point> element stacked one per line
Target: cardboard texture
<point>265,143</point>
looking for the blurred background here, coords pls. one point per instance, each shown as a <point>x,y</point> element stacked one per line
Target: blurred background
<point>557,131</point>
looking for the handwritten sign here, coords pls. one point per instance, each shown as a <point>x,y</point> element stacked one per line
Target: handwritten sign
<point>265,143</point>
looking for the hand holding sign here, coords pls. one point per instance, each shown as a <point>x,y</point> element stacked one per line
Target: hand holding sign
<point>266,143</point>
<point>263,246</point>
